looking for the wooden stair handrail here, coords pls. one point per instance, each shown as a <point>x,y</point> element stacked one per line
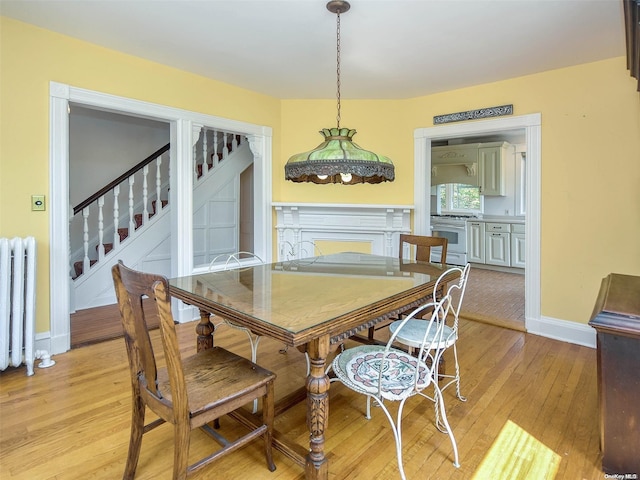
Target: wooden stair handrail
<point>120,179</point>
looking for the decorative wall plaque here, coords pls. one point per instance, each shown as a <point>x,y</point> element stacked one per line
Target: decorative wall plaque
<point>474,114</point>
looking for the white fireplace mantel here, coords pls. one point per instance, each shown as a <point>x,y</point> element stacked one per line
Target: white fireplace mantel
<point>378,225</point>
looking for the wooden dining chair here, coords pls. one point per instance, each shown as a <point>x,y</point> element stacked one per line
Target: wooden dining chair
<point>423,245</point>
<point>189,392</point>
<point>386,374</point>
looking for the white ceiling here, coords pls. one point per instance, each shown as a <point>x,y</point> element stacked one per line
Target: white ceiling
<point>390,49</point>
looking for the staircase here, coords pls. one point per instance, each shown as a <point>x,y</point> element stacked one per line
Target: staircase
<point>123,233</point>
<point>140,233</point>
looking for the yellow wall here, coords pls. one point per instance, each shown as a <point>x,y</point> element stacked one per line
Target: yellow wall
<point>590,148</point>
<point>32,57</point>
<point>382,128</point>
<point>590,184</point>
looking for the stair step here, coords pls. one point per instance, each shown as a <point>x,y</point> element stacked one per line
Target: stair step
<point>200,169</point>
<point>137,218</point>
<point>164,204</point>
<point>79,267</point>
<point>123,232</point>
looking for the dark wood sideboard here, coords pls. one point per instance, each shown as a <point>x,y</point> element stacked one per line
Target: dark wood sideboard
<point>616,318</point>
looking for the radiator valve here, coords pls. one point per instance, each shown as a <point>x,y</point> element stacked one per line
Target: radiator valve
<point>45,358</point>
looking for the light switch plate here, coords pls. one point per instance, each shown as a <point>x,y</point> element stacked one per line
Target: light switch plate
<point>37,202</point>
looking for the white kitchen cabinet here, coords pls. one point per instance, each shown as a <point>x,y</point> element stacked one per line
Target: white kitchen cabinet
<point>475,242</point>
<point>498,249</point>
<point>498,244</point>
<point>517,246</point>
<point>491,176</point>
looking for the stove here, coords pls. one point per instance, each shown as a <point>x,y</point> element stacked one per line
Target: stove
<point>454,229</point>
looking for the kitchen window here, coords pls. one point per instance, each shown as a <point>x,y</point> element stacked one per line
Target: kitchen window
<point>459,198</point>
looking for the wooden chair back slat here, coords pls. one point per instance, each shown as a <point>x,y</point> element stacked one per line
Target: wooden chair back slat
<point>131,292</point>
<point>423,246</point>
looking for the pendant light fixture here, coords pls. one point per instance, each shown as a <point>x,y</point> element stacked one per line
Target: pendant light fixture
<point>337,159</point>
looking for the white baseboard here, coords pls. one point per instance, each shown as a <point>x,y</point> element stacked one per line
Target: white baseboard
<point>53,345</point>
<point>43,341</point>
<point>564,330</point>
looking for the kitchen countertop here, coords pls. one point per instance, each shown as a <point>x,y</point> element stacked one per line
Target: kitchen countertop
<point>498,219</point>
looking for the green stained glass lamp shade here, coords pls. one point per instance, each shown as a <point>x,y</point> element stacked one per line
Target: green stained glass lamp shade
<point>339,160</point>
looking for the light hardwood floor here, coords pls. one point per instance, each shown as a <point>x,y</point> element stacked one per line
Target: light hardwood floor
<point>71,421</point>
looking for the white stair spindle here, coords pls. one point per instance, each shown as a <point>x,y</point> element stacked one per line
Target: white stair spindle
<point>215,158</point>
<point>225,147</point>
<point>116,214</point>
<point>100,228</point>
<point>132,223</point>
<point>234,142</point>
<point>168,176</point>
<point>205,163</point>
<point>85,235</point>
<point>145,195</point>
<point>195,164</point>
<point>158,185</point>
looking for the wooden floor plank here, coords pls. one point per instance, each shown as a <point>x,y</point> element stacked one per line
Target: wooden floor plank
<point>71,421</point>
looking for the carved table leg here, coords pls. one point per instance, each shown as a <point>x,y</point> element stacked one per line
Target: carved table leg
<point>204,329</point>
<point>317,466</point>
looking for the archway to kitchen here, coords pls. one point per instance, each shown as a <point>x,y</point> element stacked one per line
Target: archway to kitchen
<point>530,126</point>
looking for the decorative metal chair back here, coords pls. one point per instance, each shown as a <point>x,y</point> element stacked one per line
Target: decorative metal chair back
<point>234,260</point>
<point>414,330</point>
<point>299,250</point>
<point>423,374</point>
<point>456,290</point>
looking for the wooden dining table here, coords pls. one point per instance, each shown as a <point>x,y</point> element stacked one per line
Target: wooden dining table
<point>313,304</point>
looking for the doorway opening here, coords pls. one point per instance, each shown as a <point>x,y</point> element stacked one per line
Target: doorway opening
<point>184,127</point>
<point>529,126</point>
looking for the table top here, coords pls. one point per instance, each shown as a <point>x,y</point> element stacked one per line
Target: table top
<point>298,300</point>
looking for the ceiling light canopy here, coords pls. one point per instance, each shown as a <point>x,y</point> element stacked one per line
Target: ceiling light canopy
<point>337,159</point>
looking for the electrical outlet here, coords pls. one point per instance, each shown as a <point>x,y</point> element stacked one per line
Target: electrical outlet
<point>37,203</point>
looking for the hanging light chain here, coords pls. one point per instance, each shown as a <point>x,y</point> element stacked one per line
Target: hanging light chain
<point>338,65</point>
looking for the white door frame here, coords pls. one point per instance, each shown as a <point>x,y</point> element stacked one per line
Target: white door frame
<point>182,123</point>
<point>422,189</point>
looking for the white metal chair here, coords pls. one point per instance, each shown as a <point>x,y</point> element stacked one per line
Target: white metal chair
<point>412,333</point>
<point>384,373</point>
<point>233,261</point>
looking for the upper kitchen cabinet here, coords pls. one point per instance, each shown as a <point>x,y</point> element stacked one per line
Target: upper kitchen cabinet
<point>476,164</point>
<point>492,171</point>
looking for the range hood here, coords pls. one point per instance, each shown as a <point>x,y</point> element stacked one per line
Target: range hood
<point>465,173</point>
<point>455,164</point>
